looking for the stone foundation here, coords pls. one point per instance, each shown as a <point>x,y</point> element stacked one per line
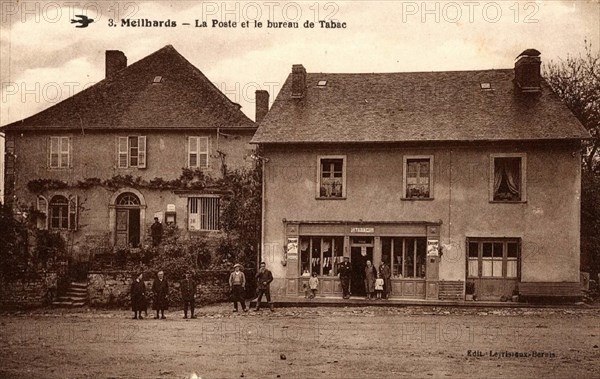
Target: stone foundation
<point>31,292</point>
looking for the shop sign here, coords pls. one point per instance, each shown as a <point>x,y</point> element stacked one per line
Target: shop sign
<point>362,230</point>
<point>433,248</point>
<point>292,248</point>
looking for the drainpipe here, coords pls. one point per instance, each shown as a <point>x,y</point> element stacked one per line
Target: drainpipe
<point>262,217</point>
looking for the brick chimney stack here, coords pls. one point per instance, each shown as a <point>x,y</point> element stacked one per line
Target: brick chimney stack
<point>262,104</point>
<point>527,71</point>
<point>298,81</point>
<point>115,62</point>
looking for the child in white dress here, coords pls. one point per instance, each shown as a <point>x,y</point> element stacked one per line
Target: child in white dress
<point>379,286</point>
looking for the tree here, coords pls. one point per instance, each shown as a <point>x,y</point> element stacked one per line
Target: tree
<point>576,80</point>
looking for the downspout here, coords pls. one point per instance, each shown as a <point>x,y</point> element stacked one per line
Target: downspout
<point>262,217</point>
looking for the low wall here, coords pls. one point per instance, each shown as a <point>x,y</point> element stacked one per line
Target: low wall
<point>36,291</point>
<point>112,288</point>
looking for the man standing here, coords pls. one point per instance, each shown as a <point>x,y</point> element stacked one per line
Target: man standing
<point>263,280</point>
<point>188,294</point>
<point>386,274</point>
<point>344,272</point>
<point>160,288</point>
<point>237,283</point>
<point>156,230</point>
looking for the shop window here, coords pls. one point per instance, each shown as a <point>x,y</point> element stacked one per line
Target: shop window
<point>493,258</point>
<point>203,213</point>
<point>508,177</point>
<point>332,177</point>
<point>406,256</point>
<point>320,255</point>
<point>418,177</point>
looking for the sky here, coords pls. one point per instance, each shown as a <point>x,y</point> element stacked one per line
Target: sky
<point>44,58</point>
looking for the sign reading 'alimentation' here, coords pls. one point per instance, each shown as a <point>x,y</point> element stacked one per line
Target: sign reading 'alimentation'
<point>362,230</point>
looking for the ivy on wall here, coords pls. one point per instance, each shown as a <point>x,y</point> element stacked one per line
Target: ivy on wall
<point>190,179</point>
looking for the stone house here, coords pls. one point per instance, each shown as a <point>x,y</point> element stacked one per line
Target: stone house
<point>449,177</point>
<point>100,165</point>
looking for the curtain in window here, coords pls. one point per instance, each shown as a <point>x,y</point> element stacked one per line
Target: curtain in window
<point>513,178</point>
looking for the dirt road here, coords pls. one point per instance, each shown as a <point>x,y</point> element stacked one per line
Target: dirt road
<point>422,342</point>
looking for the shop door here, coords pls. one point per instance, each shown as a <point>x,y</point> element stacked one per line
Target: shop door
<point>361,251</point>
<point>128,227</point>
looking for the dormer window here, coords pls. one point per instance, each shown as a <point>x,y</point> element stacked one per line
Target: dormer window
<point>322,83</point>
<point>486,86</point>
<point>157,80</point>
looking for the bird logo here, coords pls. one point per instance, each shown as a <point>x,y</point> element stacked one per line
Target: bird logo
<point>83,20</point>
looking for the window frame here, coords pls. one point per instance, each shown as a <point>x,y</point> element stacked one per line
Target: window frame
<point>405,160</point>
<point>125,148</point>
<point>319,177</point>
<point>59,142</point>
<point>404,250</point>
<point>71,217</point>
<point>198,152</point>
<point>505,258</point>
<point>199,212</point>
<point>523,157</point>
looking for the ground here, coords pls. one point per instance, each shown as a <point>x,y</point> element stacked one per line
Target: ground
<point>351,342</point>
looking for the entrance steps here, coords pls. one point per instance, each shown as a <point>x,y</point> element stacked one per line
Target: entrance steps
<point>76,296</point>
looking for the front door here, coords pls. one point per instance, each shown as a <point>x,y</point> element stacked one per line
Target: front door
<point>128,227</point>
<point>361,251</point>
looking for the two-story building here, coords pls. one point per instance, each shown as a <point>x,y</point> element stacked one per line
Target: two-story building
<point>103,163</point>
<point>449,177</point>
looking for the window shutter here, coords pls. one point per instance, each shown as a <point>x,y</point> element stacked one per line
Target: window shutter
<point>70,152</point>
<point>203,152</point>
<point>54,152</point>
<point>193,152</point>
<point>64,152</point>
<point>142,152</point>
<point>42,206</point>
<point>73,212</point>
<point>122,152</point>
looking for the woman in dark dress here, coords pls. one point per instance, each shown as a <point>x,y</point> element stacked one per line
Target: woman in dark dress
<point>160,288</point>
<point>138,297</point>
<point>370,276</point>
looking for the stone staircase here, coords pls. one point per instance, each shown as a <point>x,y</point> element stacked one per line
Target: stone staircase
<point>76,296</point>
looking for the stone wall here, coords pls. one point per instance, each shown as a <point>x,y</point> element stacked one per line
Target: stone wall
<point>112,288</point>
<point>33,292</point>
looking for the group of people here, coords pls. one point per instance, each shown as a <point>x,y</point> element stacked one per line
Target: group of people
<point>377,283</point>
<point>160,290</point>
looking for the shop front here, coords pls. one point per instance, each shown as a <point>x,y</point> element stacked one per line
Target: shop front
<point>410,249</point>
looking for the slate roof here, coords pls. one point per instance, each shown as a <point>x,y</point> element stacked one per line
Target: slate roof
<point>130,100</point>
<point>414,107</point>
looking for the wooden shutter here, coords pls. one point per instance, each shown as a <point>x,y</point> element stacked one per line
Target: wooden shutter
<point>63,161</point>
<point>203,152</point>
<point>73,212</point>
<point>122,152</point>
<point>54,152</point>
<point>193,152</point>
<point>193,213</point>
<point>42,206</point>
<point>141,151</point>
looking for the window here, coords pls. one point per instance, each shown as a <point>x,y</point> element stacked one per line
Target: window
<point>508,177</point>
<point>132,152</point>
<point>332,177</point>
<point>203,213</point>
<point>320,255</point>
<point>60,149</point>
<point>406,256</point>
<point>61,212</point>
<point>198,152</point>
<point>418,177</point>
<point>493,258</point>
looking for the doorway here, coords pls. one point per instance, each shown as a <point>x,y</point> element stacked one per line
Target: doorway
<point>361,251</point>
<point>127,220</point>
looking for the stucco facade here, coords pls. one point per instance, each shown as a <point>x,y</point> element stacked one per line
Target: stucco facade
<point>546,222</point>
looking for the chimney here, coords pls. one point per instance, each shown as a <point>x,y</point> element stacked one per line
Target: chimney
<point>527,71</point>
<point>115,62</point>
<point>298,81</point>
<point>262,104</point>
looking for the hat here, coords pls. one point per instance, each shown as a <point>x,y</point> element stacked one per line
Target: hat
<point>238,265</point>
